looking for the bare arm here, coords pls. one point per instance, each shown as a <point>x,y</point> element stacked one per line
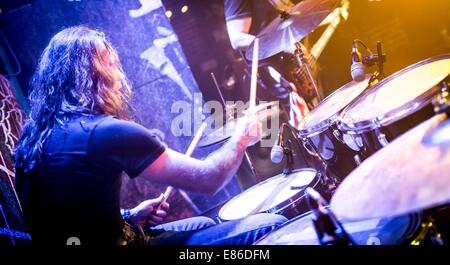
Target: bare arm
<point>238,32</point>
<point>208,175</point>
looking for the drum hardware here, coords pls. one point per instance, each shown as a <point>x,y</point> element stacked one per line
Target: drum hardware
<point>428,234</point>
<point>298,187</point>
<point>328,228</point>
<point>287,150</point>
<point>329,181</point>
<point>288,29</point>
<point>338,135</point>
<point>381,138</point>
<point>298,143</point>
<point>281,194</point>
<point>399,230</point>
<point>222,134</point>
<point>255,174</point>
<point>395,104</point>
<point>359,62</point>
<point>389,184</point>
<point>271,197</point>
<point>357,159</point>
<point>352,141</point>
<point>321,136</point>
<point>284,31</point>
<point>442,101</point>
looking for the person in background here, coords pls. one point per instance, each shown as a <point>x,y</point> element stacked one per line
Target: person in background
<point>244,20</point>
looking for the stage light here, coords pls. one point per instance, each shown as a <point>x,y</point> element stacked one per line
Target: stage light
<point>168,13</point>
<point>184,9</point>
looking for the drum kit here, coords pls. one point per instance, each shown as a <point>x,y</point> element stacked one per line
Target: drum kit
<point>385,147</point>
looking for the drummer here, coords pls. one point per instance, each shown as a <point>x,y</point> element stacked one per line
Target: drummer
<point>244,19</point>
<point>78,141</point>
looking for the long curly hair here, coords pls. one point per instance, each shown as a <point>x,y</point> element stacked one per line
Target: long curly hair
<point>79,73</point>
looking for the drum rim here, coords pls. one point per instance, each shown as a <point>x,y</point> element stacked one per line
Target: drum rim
<point>280,206</point>
<point>301,216</point>
<point>395,114</point>
<point>415,220</point>
<point>327,122</point>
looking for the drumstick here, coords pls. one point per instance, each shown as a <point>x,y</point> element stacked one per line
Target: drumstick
<point>254,75</point>
<point>189,152</point>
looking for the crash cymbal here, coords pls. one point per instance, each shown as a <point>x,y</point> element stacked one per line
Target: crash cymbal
<point>265,111</point>
<point>283,32</point>
<point>409,174</point>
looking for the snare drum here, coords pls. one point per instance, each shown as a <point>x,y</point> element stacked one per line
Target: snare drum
<point>282,194</point>
<point>320,135</point>
<point>386,231</point>
<point>393,106</point>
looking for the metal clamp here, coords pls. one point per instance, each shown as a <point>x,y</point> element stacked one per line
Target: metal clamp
<point>441,102</point>
<point>338,135</point>
<point>309,147</point>
<point>382,138</point>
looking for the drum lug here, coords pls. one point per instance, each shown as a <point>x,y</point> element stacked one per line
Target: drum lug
<point>382,139</point>
<point>353,141</point>
<point>308,147</point>
<point>441,102</point>
<point>357,159</point>
<point>338,135</point>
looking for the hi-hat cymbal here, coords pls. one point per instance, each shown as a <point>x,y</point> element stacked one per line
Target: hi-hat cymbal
<point>409,174</point>
<point>282,33</point>
<point>222,134</point>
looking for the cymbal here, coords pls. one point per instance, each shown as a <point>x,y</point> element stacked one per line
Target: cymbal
<point>219,136</point>
<point>223,133</point>
<point>409,174</point>
<point>282,33</point>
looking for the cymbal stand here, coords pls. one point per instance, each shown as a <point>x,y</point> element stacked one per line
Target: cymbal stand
<point>299,55</point>
<point>246,156</point>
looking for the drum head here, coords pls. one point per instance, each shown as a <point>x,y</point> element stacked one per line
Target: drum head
<point>398,95</point>
<point>270,195</point>
<point>329,108</point>
<point>387,231</point>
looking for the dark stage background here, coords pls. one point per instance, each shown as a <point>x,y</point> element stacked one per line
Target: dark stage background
<point>169,60</point>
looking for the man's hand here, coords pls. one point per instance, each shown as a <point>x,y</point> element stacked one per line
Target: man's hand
<point>249,128</point>
<point>146,214</point>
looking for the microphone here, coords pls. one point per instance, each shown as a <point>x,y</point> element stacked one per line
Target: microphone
<point>328,229</point>
<point>277,152</point>
<point>357,69</point>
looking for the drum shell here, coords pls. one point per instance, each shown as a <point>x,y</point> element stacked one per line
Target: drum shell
<point>410,94</point>
<point>299,205</point>
<point>371,140</point>
<point>341,161</point>
<point>293,206</point>
<point>386,232</point>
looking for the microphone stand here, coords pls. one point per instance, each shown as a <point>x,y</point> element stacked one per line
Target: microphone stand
<point>328,228</point>
<point>381,59</point>
<point>372,59</point>
<point>287,150</point>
